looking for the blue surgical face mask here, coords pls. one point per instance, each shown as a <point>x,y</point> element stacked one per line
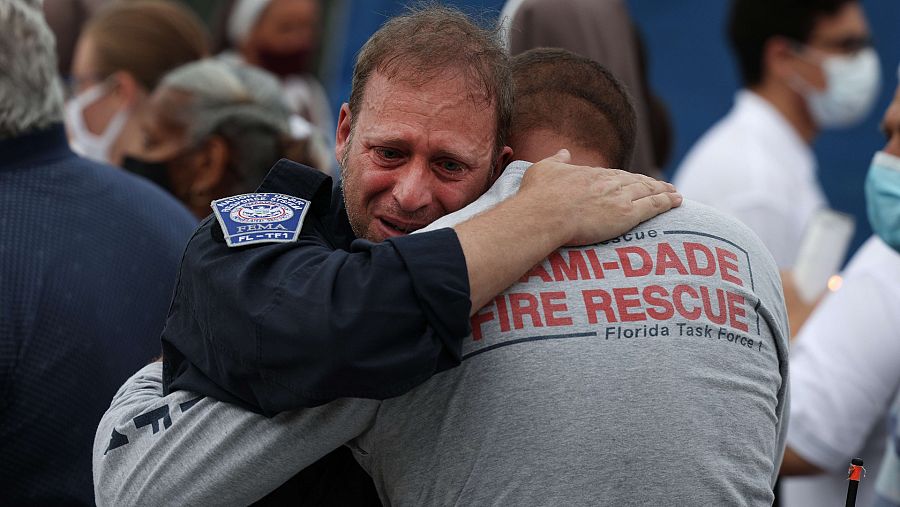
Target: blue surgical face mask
<point>883,198</point>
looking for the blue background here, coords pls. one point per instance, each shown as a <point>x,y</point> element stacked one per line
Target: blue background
<point>692,69</point>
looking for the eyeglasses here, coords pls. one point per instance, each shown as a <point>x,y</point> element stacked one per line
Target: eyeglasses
<point>848,45</point>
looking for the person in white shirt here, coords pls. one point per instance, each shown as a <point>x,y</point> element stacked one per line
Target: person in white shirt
<point>845,365</point>
<point>805,66</point>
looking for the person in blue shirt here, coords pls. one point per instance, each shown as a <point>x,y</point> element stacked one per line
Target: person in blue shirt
<point>87,267</point>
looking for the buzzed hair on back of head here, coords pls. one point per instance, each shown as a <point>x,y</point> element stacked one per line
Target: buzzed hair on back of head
<point>574,97</point>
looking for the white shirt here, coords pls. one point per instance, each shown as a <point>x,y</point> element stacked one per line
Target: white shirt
<point>753,165</point>
<point>844,374</point>
<point>506,185</point>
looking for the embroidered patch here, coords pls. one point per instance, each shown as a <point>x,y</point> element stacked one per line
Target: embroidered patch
<point>248,219</point>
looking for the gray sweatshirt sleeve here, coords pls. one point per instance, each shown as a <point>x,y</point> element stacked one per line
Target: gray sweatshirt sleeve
<point>185,449</point>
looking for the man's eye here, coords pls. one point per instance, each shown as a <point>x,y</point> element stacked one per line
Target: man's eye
<point>451,166</point>
<point>388,153</point>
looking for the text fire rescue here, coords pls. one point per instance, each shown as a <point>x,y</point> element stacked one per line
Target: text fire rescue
<point>635,303</point>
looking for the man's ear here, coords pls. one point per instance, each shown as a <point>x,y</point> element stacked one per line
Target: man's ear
<point>779,59</point>
<point>129,91</point>
<point>506,156</point>
<point>342,135</point>
<point>210,165</point>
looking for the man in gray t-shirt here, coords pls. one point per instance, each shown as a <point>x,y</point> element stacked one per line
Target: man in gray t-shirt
<point>649,368</point>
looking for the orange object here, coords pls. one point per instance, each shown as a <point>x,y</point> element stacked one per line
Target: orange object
<point>855,472</point>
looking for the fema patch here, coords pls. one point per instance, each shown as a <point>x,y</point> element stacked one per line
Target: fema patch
<point>248,219</point>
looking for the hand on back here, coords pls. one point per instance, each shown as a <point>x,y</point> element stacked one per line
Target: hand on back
<point>595,204</point>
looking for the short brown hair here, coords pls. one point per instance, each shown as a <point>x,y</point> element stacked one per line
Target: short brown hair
<point>574,97</point>
<point>753,23</point>
<point>427,40</point>
<point>146,38</point>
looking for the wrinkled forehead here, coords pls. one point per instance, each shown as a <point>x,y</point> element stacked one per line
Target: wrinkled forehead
<point>447,90</point>
<point>406,70</point>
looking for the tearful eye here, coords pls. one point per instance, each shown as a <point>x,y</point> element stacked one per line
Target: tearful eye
<point>451,166</point>
<point>388,153</point>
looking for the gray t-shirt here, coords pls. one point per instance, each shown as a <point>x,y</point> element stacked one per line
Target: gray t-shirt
<point>650,368</point>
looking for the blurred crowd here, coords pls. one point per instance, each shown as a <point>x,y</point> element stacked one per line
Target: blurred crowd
<point>125,120</point>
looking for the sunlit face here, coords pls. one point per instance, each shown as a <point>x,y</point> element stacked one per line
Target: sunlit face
<point>287,25</point>
<point>844,33</point>
<point>416,153</point>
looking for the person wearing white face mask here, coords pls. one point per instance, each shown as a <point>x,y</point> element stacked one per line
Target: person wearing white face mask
<point>845,363</point>
<point>806,66</point>
<point>121,55</point>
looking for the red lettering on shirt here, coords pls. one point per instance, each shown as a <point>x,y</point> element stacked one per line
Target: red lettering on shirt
<point>524,304</point>
<point>551,309</point>
<point>707,305</point>
<point>725,266</point>
<point>691,250</point>
<point>678,300</point>
<point>736,309</point>
<point>662,308</point>
<point>666,259</point>
<point>575,269</point>
<point>598,300</point>
<point>625,256</point>
<point>627,298</point>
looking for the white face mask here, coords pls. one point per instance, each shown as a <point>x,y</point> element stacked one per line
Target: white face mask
<point>851,87</point>
<point>83,141</point>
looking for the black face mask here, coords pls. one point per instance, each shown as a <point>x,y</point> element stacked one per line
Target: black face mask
<point>157,172</point>
<point>284,64</point>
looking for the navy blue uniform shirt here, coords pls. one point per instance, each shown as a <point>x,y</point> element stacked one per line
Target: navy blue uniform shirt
<point>281,326</point>
<point>88,257</point>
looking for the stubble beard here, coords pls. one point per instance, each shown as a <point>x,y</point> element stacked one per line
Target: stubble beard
<point>355,216</point>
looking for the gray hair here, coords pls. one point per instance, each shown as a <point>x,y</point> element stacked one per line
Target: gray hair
<point>243,104</point>
<point>30,93</point>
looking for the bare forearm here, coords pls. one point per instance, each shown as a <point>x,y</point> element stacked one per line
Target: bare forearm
<point>794,464</point>
<point>502,244</point>
<point>557,204</point>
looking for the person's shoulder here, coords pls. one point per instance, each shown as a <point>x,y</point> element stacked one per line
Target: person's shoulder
<point>696,213</point>
<point>132,194</point>
<point>705,221</point>
<point>109,193</point>
<point>723,149</point>
<point>876,260</point>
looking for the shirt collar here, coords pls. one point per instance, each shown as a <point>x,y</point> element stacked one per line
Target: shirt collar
<point>751,104</point>
<point>772,124</point>
<point>36,147</point>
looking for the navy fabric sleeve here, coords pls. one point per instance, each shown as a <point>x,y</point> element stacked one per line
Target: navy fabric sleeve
<point>282,326</point>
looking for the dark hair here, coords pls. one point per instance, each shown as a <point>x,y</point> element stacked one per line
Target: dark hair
<point>146,38</point>
<point>427,41</point>
<point>754,22</point>
<point>576,98</point>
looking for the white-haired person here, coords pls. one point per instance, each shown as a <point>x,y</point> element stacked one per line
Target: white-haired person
<point>88,252</point>
<point>213,128</point>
